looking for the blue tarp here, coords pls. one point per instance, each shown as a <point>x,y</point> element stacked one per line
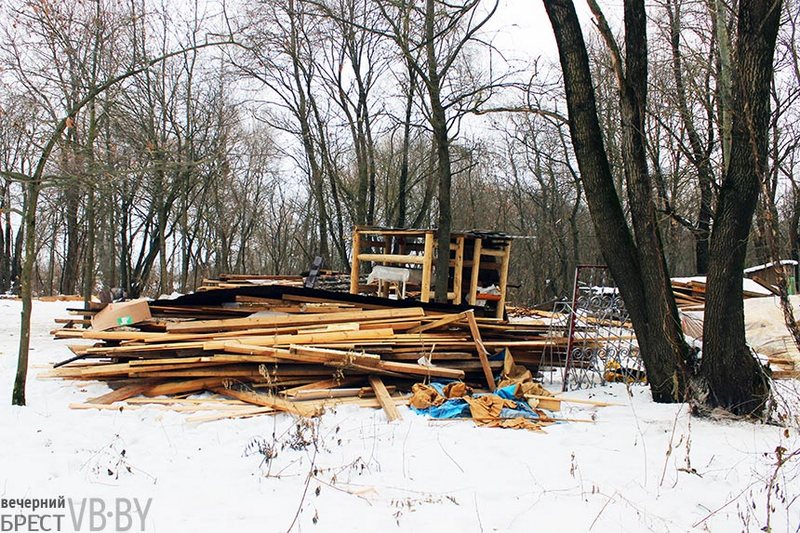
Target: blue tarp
<point>459,408</point>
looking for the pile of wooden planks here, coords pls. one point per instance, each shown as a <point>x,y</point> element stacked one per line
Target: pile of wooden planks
<point>294,350</point>
<point>690,293</point>
<point>326,279</point>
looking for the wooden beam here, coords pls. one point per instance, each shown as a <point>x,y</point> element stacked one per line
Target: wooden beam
<point>427,268</point>
<point>393,258</point>
<point>476,267</point>
<point>181,387</point>
<point>384,398</point>
<point>227,324</point>
<point>505,260</point>
<point>265,400</point>
<point>122,393</point>
<point>482,353</point>
<point>447,319</point>
<point>458,270</point>
<point>355,265</point>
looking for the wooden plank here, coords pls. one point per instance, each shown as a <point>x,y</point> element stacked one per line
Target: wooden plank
<point>447,319</point>
<point>181,387</point>
<point>393,258</point>
<point>482,353</point>
<point>264,400</point>
<point>302,354</point>
<point>370,230</point>
<point>476,264</point>
<point>201,326</point>
<point>421,370</point>
<point>322,384</point>
<point>458,270</point>
<point>322,394</point>
<point>356,263</point>
<point>384,398</point>
<point>506,259</point>
<point>427,267</point>
<point>243,413</point>
<point>122,393</point>
<point>575,400</point>
<point>310,338</point>
<point>140,348</point>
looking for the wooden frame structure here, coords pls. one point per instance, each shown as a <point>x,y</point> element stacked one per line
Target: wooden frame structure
<point>478,258</point>
<point>368,238</point>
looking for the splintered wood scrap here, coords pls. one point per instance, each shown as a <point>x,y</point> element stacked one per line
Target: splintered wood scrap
<point>384,398</point>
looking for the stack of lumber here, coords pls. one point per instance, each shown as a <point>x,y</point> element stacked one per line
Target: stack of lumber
<point>690,293</point>
<point>232,281</point>
<point>289,349</point>
<point>326,279</point>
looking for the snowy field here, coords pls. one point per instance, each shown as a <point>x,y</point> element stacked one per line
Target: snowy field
<point>640,467</point>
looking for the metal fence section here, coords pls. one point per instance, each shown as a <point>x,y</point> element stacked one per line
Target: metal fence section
<point>593,340</point>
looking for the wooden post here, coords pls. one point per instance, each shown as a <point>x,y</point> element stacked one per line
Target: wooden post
<point>476,266</point>
<point>458,269</point>
<point>427,266</point>
<point>506,259</point>
<point>354,266</point>
<point>385,286</point>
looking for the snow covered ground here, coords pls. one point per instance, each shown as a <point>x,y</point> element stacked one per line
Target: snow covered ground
<point>640,467</point>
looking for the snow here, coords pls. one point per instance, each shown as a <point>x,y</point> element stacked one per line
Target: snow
<point>769,265</point>
<point>641,467</point>
<point>764,326</point>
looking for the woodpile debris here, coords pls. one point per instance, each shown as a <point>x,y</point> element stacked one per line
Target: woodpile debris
<point>690,293</point>
<point>325,279</point>
<point>282,348</point>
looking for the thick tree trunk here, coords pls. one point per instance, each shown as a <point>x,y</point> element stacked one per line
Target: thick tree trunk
<point>638,268</point>
<point>733,376</point>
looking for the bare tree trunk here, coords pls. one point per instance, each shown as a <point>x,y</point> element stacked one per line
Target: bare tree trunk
<point>733,376</point>
<point>443,172</point>
<point>26,289</point>
<point>402,183</point>
<point>700,156</point>
<point>638,266</point>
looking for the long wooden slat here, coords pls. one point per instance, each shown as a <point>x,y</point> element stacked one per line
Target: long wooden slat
<point>384,398</point>
<point>274,402</point>
<point>262,321</point>
<point>447,319</point>
<point>482,353</point>
<point>181,387</point>
<point>309,338</point>
<point>123,393</point>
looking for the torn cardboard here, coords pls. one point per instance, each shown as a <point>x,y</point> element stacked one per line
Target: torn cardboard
<point>121,314</point>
